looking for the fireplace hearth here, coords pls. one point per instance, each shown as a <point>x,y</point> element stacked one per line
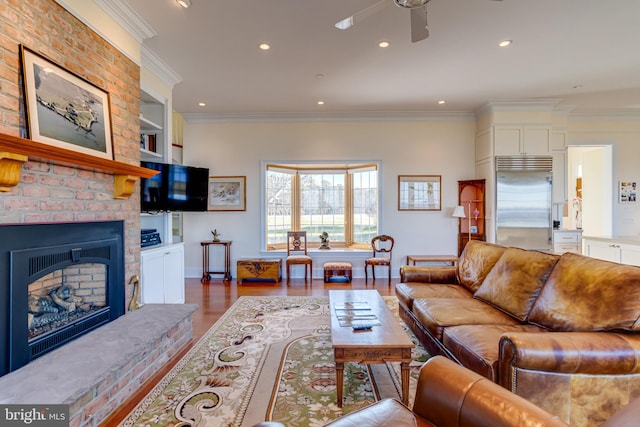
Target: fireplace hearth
<point>57,282</point>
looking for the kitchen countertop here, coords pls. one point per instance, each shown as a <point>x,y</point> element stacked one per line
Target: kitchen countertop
<point>634,240</point>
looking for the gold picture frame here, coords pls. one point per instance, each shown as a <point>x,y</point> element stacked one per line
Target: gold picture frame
<point>227,193</point>
<point>419,192</point>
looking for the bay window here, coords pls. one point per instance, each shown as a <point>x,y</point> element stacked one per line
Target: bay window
<point>339,199</point>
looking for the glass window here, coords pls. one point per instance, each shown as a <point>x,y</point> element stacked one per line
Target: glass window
<point>341,200</point>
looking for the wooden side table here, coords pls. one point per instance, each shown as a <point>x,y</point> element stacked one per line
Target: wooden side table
<point>449,259</point>
<point>206,273</point>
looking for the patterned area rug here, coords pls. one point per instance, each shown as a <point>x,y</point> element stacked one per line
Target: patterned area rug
<point>268,358</point>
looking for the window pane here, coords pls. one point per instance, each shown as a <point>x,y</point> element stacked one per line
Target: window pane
<point>322,205</point>
<point>278,197</point>
<point>365,206</point>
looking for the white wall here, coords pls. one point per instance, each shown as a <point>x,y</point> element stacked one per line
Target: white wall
<point>431,147</point>
<point>623,134</point>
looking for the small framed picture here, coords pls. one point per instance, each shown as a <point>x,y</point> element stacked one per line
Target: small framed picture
<point>628,192</point>
<point>473,229</point>
<point>227,193</point>
<point>419,192</point>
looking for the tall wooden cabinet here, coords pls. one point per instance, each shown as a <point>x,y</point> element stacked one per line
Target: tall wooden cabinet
<point>471,196</point>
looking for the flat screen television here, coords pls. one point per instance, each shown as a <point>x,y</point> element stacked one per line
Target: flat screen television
<point>176,188</point>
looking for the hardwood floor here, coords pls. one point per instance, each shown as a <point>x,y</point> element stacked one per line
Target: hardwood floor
<point>216,297</point>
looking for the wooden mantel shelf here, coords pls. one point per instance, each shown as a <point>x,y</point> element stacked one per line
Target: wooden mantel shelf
<point>14,151</point>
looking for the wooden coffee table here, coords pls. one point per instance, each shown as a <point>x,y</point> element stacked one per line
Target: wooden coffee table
<point>385,343</point>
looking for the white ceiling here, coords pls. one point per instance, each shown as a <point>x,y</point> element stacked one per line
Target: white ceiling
<point>583,53</point>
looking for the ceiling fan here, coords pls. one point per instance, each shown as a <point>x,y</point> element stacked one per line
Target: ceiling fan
<point>418,9</point>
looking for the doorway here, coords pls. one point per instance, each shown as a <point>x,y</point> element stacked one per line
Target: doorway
<point>590,192</point>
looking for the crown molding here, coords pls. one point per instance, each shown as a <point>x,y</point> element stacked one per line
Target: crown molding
<point>330,117</point>
<point>153,63</point>
<point>613,114</point>
<point>511,105</point>
<point>128,19</point>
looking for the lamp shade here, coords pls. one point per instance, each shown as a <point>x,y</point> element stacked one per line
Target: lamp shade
<point>458,212</point>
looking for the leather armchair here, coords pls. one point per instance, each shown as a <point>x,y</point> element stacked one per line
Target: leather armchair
<point>449,395</point>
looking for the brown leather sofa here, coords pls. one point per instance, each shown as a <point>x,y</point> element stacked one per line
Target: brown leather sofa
<point>449,395</point>
<point>561,331</point>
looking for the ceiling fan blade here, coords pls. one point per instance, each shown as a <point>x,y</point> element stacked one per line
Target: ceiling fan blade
<point>362,14</point>
<point>419,28</point>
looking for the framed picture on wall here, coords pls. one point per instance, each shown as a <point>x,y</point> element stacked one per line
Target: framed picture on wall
<point>419,193</point>
<point>63,109</point>
<point>627,192</point>
<point>227,193</point>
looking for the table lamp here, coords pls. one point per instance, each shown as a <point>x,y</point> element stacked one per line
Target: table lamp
<point>458,212</point>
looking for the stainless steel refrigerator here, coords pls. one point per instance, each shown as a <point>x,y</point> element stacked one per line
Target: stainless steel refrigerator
<point>523,202</point>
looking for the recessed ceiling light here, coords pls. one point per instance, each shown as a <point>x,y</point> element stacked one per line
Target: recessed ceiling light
<point>505,43</point>
<point>383,43</point>
<point>184,3</point>
<point>201,104</point>
<point>442,101</point>
<point>265,46</point>
<point>320,102</point>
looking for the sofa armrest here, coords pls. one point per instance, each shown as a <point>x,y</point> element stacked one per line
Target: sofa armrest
<point>428,274</point>
<point>597,353</point>
<point>451,395</point>
<point>380,414</point>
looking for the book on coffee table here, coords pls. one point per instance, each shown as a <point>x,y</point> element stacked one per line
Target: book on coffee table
<point>350,321</point>
<point>353,305</point>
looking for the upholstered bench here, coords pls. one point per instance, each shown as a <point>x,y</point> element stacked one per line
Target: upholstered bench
<point>337,269</point>
<point>259,269</point>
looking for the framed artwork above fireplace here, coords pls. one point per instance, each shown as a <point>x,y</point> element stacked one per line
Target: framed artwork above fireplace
<point>65,110</point>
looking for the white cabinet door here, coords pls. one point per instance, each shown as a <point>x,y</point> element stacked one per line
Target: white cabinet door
<point>559,177</point>
<point>163,275</point>
<point>604,250</point>
<point>508,141</point>
<point>152,266</point>
<point>630,254</point>
<point>536,140</point>
<point>174,275</point>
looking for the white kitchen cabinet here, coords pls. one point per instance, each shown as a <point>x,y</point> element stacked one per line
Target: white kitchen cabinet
<point>560,182</point>
<point>163,274</point>
<point>558,145</point>
<point>521,140</point>
<point>567,241</point>
<point>606,250</point>
<point>630,254</point>
<point>625,250</point>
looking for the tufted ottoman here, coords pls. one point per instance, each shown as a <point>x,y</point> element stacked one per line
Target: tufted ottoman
<point>337,269</point>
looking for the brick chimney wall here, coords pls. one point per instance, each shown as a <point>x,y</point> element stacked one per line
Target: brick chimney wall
<point>50,192</point>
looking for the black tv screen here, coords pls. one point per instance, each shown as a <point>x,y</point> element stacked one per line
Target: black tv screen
<point>176,188</point>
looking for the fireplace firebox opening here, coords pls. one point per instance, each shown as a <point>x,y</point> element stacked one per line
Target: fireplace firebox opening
<point>57,282</point>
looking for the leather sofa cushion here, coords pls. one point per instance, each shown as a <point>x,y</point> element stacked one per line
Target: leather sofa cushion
<point>476,260</point>
<point>384,413</point>
<point>587,294</point>
<point>435,314</point>
<point>476,346</point>
<point>514,283</point>
<point>408,292</point>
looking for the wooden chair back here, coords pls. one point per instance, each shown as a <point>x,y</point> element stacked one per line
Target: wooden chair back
<point>382,246</point>
<point>296,243</point>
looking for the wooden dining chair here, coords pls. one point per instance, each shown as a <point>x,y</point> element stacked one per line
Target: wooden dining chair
<point>297,253</point>
<point>382,245</point>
